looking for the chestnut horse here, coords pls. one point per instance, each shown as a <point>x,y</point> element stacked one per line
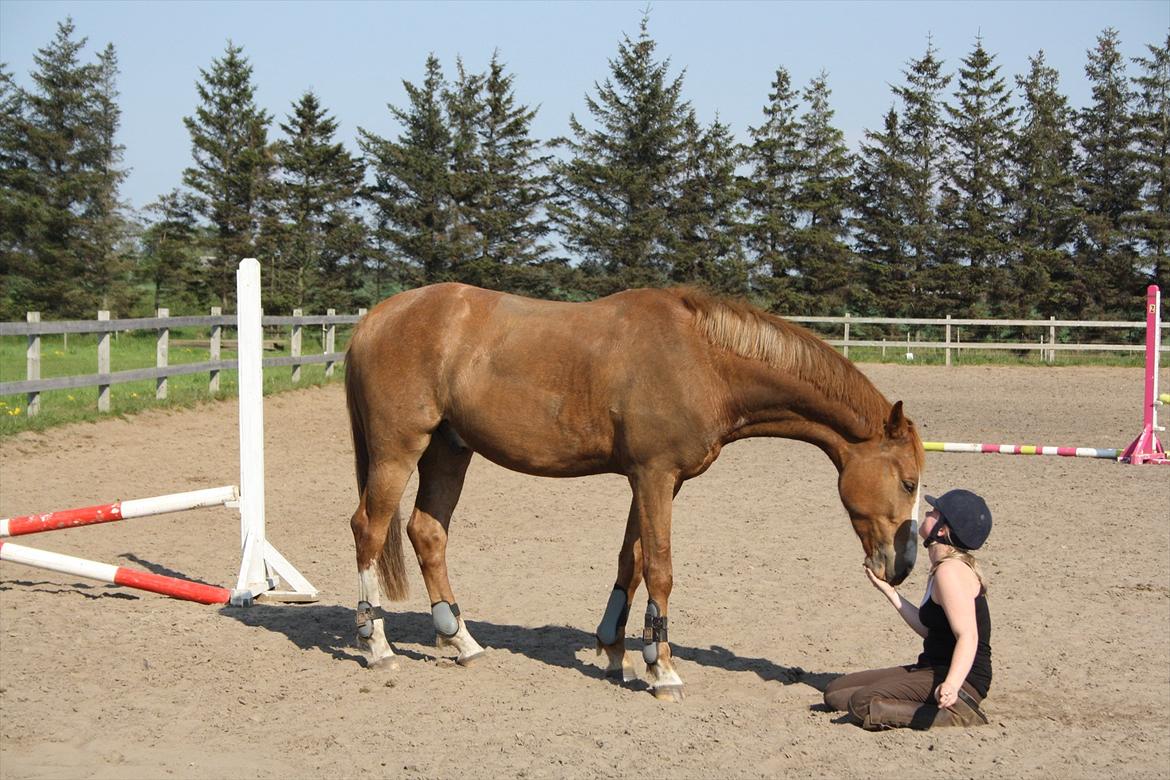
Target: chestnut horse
<point>646,383</point>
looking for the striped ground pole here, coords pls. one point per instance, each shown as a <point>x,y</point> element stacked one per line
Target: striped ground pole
<point>119,510</point>
<point>1023,449</point>
<point>117,575</point>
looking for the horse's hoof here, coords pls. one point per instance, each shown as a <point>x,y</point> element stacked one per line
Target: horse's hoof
<point>387,663</point>
<point>472,659</point>
<point>671,693</point>
<point>621,675</point>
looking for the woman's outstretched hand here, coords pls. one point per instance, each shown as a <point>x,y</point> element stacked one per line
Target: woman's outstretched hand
<point>886,588</point>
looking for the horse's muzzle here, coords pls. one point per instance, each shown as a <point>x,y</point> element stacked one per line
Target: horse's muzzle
<point>896,560</point>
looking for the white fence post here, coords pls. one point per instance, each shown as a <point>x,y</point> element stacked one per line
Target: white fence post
<point>34,363</point>
<point>846,334</point>
<point>103,362</point>
<point>330,341</point>
<point>948,341</point>
<point>296,345</point>
<point>214,356</point>
<point>162,355</point>
<point>1052,341</point>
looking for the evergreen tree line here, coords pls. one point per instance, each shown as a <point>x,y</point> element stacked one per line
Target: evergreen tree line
<point>974,196</point>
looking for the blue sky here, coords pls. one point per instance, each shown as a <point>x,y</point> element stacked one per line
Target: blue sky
<point>354,55</point>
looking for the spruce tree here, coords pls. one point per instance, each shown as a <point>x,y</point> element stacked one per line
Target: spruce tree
<point>171,258</point>
<point>617,187</point>
<point>17,210</point>
<point>108,260</point>
<point>232,164</point>
<point>318,194</point>
<point>465,110</point>
<point>1043,213</point>
<point>980,136</point>
<point>820,251</point>
<point>515,184</point>
<point>882,232</point>
<point>61,162</point>
<point>707,221</point>
<point>1152,222</point>
<point>773,160</point>
<point>923,137</point>
<point>1110,182</point>
<point>411,190</point>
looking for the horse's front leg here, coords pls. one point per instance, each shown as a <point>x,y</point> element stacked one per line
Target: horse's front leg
<point>611,632</point>
<point>653,494</point>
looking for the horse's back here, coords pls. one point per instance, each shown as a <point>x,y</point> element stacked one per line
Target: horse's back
<point>538,386</point>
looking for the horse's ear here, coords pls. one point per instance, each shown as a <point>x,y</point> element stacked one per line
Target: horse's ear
<point>897,425</point>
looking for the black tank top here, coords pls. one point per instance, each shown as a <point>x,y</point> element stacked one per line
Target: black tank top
<point>939,645</point>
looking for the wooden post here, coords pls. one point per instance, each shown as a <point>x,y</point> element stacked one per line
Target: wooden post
<point>216,336</point>
<point>296,345</point>
<point>34,363</point>
<point>1051,340</point>
<point>103,363</point>
<point>162,356</point>
<point>948,341</point>
<point>330,341</point>
<point>846,334</point>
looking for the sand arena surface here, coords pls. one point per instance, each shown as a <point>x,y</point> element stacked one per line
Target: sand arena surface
<point>769,604</point>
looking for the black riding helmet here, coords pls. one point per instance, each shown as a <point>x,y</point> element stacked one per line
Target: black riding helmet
<point>966,514</point>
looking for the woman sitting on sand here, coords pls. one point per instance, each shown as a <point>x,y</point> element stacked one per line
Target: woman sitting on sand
<point>953,673</point>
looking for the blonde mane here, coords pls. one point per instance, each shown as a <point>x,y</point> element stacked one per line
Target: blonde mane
<point>756,335</point>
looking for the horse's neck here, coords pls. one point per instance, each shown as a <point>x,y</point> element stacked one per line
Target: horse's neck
<point>763,401</point>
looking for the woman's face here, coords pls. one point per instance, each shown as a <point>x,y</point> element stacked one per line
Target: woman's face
<point>928,524</point>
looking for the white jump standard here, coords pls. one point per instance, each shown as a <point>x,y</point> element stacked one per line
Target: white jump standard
<point>262,568</point>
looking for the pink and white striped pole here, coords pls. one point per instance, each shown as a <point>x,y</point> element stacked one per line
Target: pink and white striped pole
<point>1146,448</point>
<point>1022,449</point>
<point>117,575</point>
<point>119,510</point>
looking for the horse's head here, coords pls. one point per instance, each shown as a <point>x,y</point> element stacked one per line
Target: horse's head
<point>879,486</point>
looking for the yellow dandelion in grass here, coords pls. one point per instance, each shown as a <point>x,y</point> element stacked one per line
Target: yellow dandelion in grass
<point>134,395</point>
<point>71,398</point>
<point>14,411</point>
<point>3,404</point>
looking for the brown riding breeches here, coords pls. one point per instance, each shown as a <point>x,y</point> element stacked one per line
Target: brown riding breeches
<point>902,696</point>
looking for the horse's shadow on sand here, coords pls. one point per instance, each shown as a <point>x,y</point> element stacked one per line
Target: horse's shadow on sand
<point>331,630</point>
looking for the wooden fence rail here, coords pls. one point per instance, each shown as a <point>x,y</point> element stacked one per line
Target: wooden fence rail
<point>33,329</point>
<point>33,385</point>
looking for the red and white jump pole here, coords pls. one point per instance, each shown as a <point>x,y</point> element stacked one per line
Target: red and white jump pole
<point>1146,448</point>
<point>119,510</point>
<point>262,568</point>
<point>118,575</point>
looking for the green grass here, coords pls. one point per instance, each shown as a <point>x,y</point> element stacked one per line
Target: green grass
<point>78,356</point>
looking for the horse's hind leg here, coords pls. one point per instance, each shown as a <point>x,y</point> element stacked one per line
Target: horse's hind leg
<point>611,632</point>
<point>440,481</point>
<point>378,543</point>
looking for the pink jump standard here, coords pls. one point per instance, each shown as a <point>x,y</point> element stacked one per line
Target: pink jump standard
<point>1146,448</point>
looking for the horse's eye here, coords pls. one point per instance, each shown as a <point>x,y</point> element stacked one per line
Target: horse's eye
<point>909,486</point>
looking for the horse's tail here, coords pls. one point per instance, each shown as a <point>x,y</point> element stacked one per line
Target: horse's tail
<point>391,563</point>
